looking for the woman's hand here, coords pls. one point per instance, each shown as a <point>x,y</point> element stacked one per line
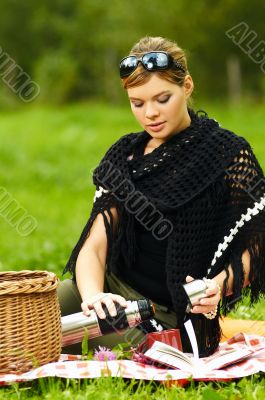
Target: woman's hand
<point>210,301</point>
<point>95,302</point>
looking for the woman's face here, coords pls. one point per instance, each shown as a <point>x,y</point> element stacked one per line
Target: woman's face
<point>161,106</point>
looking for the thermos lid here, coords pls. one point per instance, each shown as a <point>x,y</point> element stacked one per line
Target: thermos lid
<point>146,309</point>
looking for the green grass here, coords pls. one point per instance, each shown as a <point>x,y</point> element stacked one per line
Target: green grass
<point>46,155</point>
<point>108,388</point>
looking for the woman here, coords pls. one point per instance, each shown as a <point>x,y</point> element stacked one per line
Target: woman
<point>169,206</point>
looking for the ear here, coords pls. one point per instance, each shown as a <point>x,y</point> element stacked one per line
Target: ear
<point>188,86</point>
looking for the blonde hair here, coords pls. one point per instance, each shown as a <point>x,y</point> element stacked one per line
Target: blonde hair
<point>140,75</point>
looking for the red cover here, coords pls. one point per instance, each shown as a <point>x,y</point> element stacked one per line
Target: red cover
<point>169,336</point>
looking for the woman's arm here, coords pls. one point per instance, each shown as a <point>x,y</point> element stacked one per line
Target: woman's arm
<point>208,303</point>
<point>220,278</point>
<point>91,268</point>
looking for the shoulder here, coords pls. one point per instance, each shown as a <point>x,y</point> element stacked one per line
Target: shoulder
<point>214,135</point>
<point>126,139</point>
<point>235,150</point>
<point>124,143</point>
<point>228,140</point>
<point>224,143</point>
<point>117,153</point>
<point>232,137</point>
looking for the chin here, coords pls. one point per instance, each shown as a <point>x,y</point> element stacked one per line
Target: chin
<point>158,134</point>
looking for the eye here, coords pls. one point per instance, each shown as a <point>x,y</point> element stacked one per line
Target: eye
<point>164,99</point>
<point>138,105</point>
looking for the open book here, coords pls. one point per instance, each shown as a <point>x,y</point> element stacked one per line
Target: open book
<point>174,358</point>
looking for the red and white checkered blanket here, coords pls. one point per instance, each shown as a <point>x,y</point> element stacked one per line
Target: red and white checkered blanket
<point>71,366</point>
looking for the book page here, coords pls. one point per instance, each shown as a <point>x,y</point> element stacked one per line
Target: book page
<point>169,360</point>
<point>226,357</point>
<point>165,348</point>
<point>171,356</point>
<point>191,334</point>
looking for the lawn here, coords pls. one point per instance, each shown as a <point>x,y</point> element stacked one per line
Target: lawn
<point>46,158</point>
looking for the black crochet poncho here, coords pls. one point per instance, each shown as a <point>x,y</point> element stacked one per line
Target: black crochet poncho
<point>204,190</point>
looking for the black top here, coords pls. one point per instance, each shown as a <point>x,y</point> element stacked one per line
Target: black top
<point>148,274</point>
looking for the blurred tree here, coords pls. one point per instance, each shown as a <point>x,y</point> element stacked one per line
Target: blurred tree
<point>56,73</point>
<point>16,32</point>
<point>75,47</point>
<point>214,50</point>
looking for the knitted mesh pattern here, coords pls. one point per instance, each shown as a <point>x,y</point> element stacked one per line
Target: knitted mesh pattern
<point>202,190</point>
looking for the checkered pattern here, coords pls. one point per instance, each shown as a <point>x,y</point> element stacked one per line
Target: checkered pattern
<point>71,366</point>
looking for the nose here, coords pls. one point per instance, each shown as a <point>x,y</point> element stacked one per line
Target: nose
<point>151,111</point>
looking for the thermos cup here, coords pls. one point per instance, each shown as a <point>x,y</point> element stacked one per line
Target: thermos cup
<point>73,326</point>
<point>195,290</point>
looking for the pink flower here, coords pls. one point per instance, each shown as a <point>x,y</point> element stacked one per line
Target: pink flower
<point>104,354</point>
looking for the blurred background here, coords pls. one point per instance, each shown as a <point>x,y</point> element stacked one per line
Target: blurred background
<point>72,48</point>
<point>62,104</point>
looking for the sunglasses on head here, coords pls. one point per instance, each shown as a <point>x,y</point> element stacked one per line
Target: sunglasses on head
<point>152,61</point>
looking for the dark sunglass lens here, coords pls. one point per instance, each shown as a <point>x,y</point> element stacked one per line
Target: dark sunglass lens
<point>155,60</point>
<point>128,65</point>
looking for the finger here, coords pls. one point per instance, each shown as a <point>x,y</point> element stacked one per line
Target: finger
<point>110,306</point>
<point>110,303</point>
<point>85,308</point>
<point>189,278</point>
<point>99,310</point>
<point>209,301</point>
<point>202,309</point>
<point>212,291</point>
<point>119,299</point>
<point>197,302</point>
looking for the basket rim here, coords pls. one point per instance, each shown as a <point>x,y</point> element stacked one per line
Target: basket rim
<point>27,281</point>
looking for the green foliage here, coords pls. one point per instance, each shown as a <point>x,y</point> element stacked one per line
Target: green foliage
<point>122,352</point>
<point>86,355</point>
<point>104,388</point>
<point>72,49</point>
<point>56,73</point>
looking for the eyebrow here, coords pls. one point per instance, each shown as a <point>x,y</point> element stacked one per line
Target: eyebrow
<point>156,95</point>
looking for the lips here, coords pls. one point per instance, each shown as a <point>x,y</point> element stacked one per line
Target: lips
<point>156,127</point>
<point>156,124</point>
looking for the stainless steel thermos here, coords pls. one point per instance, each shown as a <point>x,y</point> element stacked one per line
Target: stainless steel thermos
<point>195,290</point>
<point>73,326</point>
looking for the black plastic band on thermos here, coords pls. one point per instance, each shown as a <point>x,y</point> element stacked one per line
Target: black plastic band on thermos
<point>112,324</point>
<point>146,309</point>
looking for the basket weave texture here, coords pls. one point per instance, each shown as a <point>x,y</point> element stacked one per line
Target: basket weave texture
<point>30,320</point>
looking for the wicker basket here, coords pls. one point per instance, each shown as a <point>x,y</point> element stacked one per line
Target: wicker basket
<point>30,320</point>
